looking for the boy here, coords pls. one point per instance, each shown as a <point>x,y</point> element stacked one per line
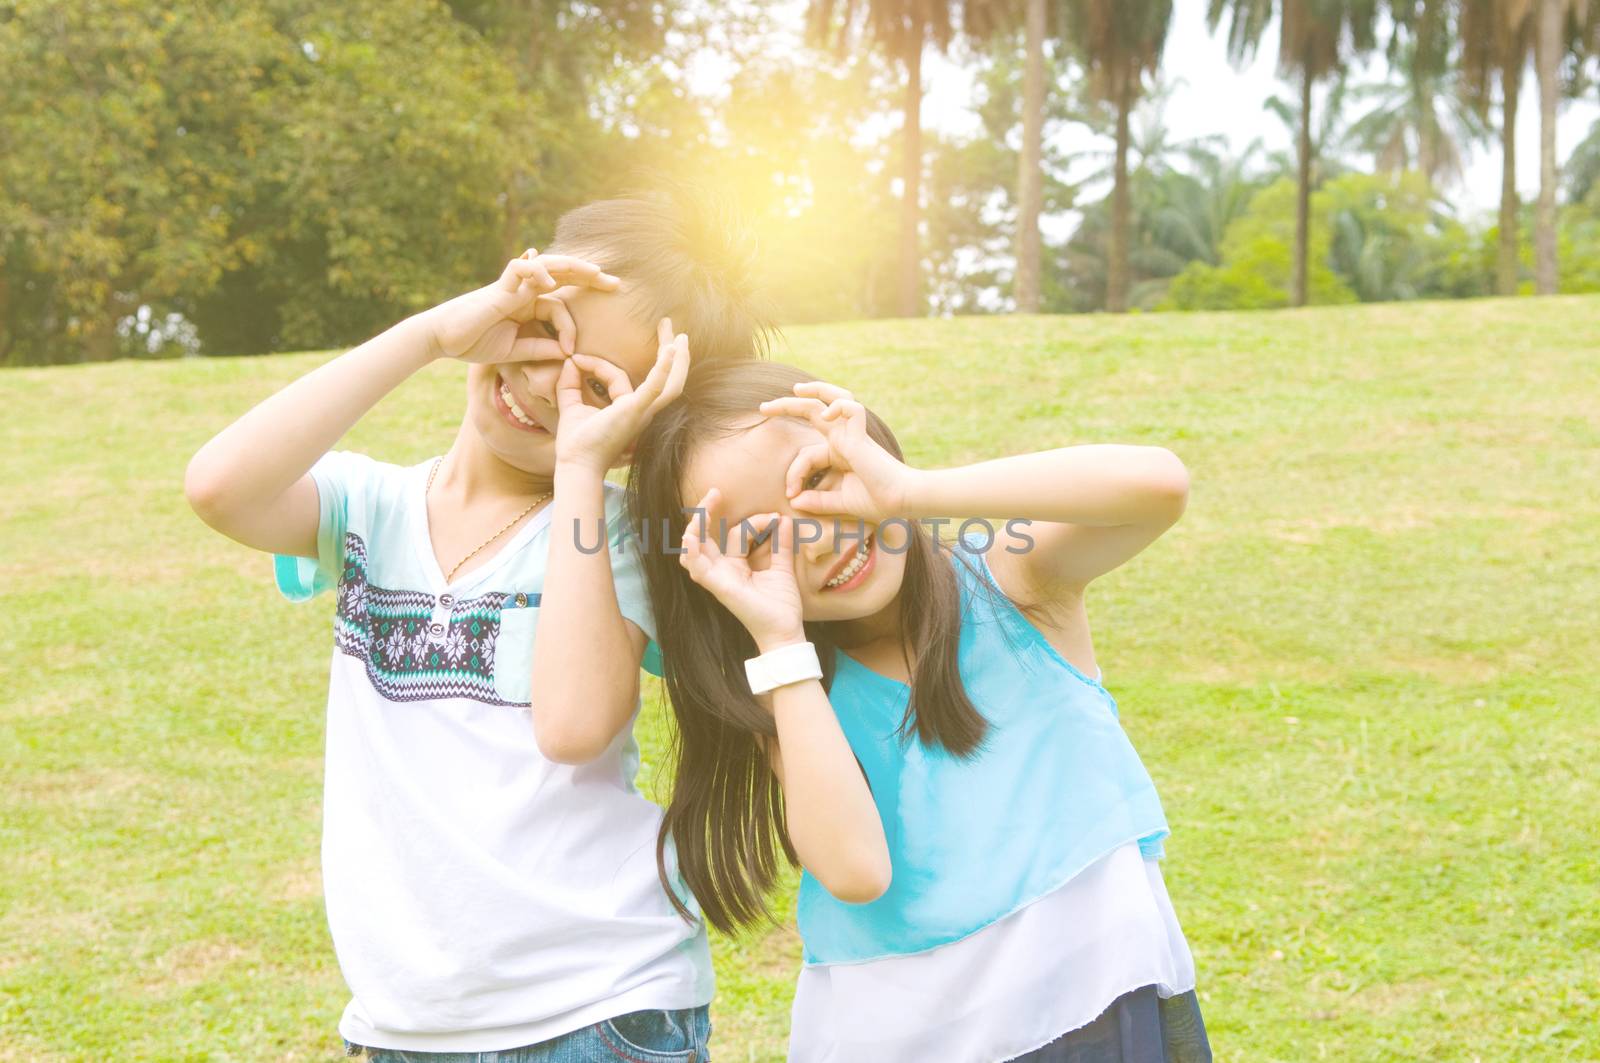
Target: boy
<point>491,885</point>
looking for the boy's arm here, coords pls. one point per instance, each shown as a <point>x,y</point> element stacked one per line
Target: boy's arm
<point>251,481</point>
<point>586,654</point>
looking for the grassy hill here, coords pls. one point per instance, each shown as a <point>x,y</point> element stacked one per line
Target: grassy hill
<point>1363,672</point>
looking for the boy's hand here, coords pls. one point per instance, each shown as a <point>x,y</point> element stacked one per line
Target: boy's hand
<point>482,325</point>
<point>596,437</point>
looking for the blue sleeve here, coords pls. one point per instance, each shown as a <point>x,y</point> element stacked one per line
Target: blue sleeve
<point>627,570</point>
<point>652,660</point>
<point>339,477</point>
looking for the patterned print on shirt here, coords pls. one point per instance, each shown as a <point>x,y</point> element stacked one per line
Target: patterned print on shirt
<point>389,631</point>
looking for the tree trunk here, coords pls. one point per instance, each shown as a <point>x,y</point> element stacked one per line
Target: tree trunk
<point>1117,264</point>
<point>512,236</point>
<point>1302,203</point>
<point>7,335</point>
<point>910,241</point>
<point>513,233</point>
<point>1030,176</point>
<point>1547,57</point>
<point>100,339</point>
<point>1506,265</point>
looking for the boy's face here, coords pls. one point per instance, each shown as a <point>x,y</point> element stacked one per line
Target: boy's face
<point>513,404</point>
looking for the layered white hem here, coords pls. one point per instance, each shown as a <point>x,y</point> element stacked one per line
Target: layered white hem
<point>1047,969</point>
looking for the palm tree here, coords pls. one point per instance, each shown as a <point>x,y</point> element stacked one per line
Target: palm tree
<point>1030,176</point>
<point>1315,39</point>
<point>904,28</point>
<point>1152,146</point>
<point>1420,118</point>
<point>1583,166</point>
<point>1546,56</point>
<point>1179,217</point>
<point>1197,212</point>
<point>1496,38</point>
<point>1561,27</point>
<point>1120,41</point>
<point>1329,134</point>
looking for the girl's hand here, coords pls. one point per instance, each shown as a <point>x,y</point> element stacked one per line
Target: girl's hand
<point>765,600</point>
<point>596,437</point>
<point>481,326</point>
<point>849,473</point>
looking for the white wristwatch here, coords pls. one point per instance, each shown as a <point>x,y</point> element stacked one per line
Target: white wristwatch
<point>794,663</point>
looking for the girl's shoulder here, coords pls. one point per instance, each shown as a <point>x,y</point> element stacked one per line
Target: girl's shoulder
<point>1058,626</point>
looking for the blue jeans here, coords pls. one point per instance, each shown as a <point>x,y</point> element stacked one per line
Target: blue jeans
<point>638,1037</point>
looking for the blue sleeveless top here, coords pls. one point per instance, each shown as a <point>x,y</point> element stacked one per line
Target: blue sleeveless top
<point>1055,786</point>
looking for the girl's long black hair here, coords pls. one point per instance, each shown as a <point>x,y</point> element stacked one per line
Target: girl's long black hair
<point>726,815</point>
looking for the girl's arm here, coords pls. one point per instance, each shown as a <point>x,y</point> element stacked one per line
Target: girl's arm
<point>251,481</point>
<point>1092,508</point>
<point>828,807</point>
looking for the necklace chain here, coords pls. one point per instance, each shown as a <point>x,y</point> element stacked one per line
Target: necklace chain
<point>448,576</point>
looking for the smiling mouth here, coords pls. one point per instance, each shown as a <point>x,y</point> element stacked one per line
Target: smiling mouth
<point>853,569</point>
<point>514,413</point>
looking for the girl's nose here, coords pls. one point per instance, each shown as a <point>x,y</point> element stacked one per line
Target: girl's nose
<point>815,528</point>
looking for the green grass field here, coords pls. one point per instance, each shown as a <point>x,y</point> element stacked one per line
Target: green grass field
<point>1363,671</point>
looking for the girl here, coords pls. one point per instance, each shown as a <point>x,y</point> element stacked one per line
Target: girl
<point>978,836</point>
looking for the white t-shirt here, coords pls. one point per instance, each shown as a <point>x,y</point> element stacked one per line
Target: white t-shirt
<point>480,896</point>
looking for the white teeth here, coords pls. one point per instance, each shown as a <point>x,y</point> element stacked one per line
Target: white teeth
<point>516,411</point>
<point>854,567</point>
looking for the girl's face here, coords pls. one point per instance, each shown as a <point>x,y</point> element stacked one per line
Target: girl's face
<point>848,570</point>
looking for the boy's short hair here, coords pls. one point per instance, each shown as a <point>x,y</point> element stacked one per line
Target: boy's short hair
<point>680,256</point>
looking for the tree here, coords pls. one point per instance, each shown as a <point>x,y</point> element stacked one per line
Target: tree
<point>1179,217</point>
<point>1420,119</point>
<point>1194,218</point>
<point>793,163</point>
<point>1381,229</point>
<point>1119,43</point>
<point>1559,28</point>
<point>1030,176</point>
<point>975,214</point>
<point>1257,261</point>
<point>1152,145</point>
<point>392,135</point>
<point>259,171</point>
<point>1496,40</point>
<point>596,100</point>
<point>1376,237</point>
<point>1330,134</point>
<point>1315,38</point>
<point>1583,166</point>
<point>1546,55</point>
<point>903,29</point>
